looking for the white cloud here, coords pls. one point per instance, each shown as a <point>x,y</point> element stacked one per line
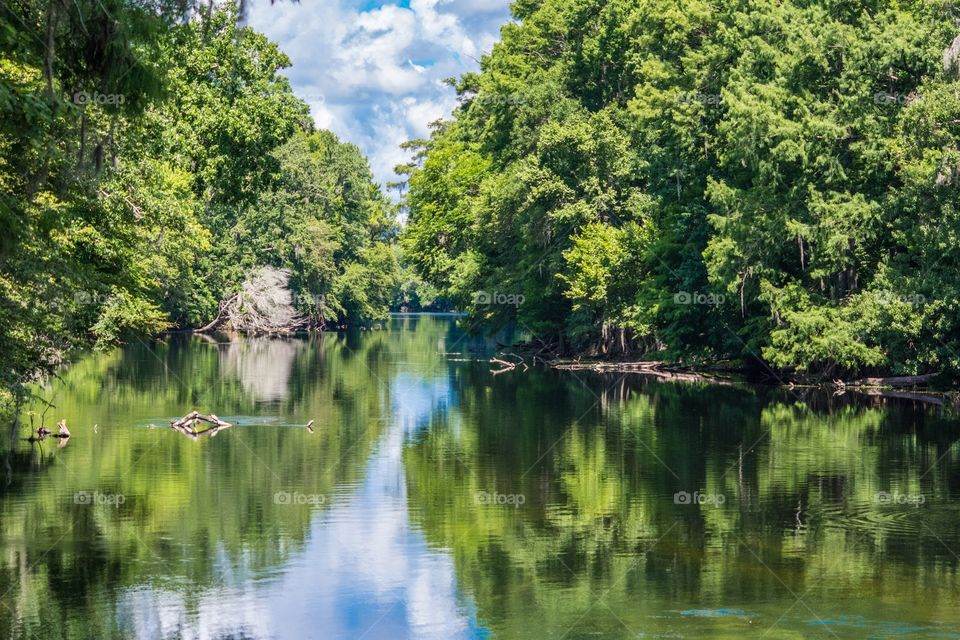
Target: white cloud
<point>371,72</point>
<point>420,113</point>
<point>323,116</point>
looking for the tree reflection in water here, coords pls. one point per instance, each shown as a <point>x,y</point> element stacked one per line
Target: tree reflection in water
<point>436,500</point>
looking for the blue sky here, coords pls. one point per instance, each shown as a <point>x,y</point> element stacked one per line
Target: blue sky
<point>372,71</point>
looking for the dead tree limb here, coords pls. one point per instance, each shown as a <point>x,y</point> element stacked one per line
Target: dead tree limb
<point>188,423</point>
<point>894,382</point>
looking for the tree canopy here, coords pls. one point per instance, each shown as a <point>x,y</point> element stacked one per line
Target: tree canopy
<point>768,182</point>
<point>152,155</point>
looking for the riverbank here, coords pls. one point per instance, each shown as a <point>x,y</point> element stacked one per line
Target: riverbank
<point>932,388</point>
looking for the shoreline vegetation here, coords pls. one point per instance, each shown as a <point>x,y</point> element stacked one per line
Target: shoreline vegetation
<point>521,356</point>
<point>773,186</point>
<point>717,373</point>
<point>935,388</point>
<point>930,388</point>
<point>157,173</point>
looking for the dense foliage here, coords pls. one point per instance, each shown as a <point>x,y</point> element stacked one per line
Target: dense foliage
<point>151,155</point>
<point>770,182</point>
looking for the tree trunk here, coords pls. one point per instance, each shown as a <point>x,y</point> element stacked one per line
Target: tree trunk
<point>98,156</point>
<point>83,138</point>
<point>113,143</point>
<point>49,52</point>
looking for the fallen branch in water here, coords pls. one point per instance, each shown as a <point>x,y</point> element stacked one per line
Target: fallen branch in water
<point>42,433</point>
<point>187,425</point>
<point>216,321</point>
<point>896,382</point>
<point>901,395</point>
<point>647,367</point>
<point>506,364</point>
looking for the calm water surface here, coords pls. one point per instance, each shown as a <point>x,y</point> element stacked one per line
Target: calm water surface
<point>436,500</point>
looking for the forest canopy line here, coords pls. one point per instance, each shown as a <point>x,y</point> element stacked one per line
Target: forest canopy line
<point>766,183</point>
<point>775,183</point>
<point>153,159</point>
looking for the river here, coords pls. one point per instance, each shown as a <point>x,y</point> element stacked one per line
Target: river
<point>434,499</point>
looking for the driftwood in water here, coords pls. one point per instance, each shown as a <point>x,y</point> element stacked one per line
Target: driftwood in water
<point>506,365</point>
<point>926,398</point>
<point>42,433</point>
<point>187,425</point>
<point>896,382</point>
<point>649,368</point>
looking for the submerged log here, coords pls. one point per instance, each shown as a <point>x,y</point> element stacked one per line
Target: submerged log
<point>506,365</point>
<point>187,424</point>
<point>601,366</point>
<point>926,398</point>
<point>43,433</point>
<point>894,381</point>
<point>651,368</point>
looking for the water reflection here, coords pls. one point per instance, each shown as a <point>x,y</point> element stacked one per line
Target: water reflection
<point>612,539</point>
<point>441,501</point>
<point>263,365</point>
<point>365,570</point>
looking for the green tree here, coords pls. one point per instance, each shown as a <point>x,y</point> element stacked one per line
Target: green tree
<point>790,163</point>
